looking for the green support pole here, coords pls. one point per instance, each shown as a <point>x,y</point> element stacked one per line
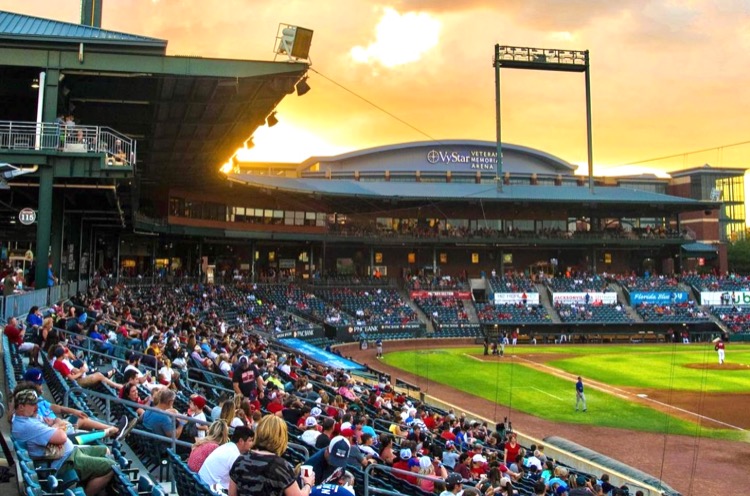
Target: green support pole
<point>56,233</point>
<point>43,224</point>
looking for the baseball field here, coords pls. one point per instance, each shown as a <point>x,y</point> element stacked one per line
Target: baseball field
<point>671,389</point>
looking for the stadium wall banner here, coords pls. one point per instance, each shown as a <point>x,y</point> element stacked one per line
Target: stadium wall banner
<point>461,295</point>
<point>322,356</point>
<point>714,297</point>
<point>353,333</point>
<point>516,298</point>
<point>567,298</point>
<point>658,297</point>
<point>316,332</point>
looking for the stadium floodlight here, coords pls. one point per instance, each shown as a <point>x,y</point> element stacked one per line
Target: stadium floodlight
<point>302,86</point>
<point>271,120</point>
<point>542,59</point>
<point>294,42</point>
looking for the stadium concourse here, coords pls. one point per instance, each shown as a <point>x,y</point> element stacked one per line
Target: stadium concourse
<point>199,341</point>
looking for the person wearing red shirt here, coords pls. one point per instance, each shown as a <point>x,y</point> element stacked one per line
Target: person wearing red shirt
<point>16,336</point>
<point>512,448</point>
<point>77,372</point>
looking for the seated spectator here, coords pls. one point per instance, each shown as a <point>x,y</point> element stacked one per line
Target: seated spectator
<point>77,370</point>
<point>161,423</point>
<point>76,420</point>
<point>16,335</point>
<point>41,440</point>
<point>311,431</point>
<point>262,470</point>
<point>217,435</point>
<point>215,469</point>
<point>328,463</point>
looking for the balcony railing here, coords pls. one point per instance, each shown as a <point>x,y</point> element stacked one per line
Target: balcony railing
<point>119,149</point>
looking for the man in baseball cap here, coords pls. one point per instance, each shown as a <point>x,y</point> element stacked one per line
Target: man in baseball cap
<point>329,463</point>
<point>453,485</point>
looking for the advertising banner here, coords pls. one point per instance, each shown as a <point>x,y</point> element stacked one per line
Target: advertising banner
<point>461,295</point>
<point>316,332</point>
<point>568,298</point>
<point>730,298</point>
<point>658,297</point>
<point>516,298</point>
<point>353,333</point>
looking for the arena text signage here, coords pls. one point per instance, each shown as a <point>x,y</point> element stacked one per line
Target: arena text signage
<point>658,297</point>
<point>474,159</point>
<point>714,297</point>
<point>300,334</point>
<point>461,295</point>
<point>567,298</point>
<point>516,298</point>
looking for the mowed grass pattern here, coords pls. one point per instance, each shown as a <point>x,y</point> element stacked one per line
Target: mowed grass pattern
<point>507,382</point>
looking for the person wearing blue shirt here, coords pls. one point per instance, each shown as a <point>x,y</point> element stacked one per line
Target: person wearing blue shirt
<point>161,423</point>
<point>580,397</point>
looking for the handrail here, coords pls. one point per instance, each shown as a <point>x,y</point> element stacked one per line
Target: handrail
<point>23,135</point>
<point>109,399</point>
<point>376,490</point>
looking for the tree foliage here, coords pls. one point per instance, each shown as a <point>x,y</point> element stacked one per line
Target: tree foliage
<point>738,256</point>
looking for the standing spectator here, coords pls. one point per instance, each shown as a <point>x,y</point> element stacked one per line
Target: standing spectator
<point>51,279</point>
<point>452,485</point>
<point>262,471</point>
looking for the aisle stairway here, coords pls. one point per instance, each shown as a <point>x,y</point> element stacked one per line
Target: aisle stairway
<point>423,317</point>
<point>544,299</point>
<point>623,299</point>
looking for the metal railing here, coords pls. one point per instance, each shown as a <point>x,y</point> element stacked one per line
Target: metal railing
<point>16,305</point>
<point>467,489</point>
<point>119,149</point>
<point>174,417</point>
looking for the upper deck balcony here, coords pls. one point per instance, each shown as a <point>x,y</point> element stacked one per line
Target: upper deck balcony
<point>20,138</point>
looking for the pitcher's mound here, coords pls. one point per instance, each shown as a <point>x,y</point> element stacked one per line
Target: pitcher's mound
<point>716,366</point>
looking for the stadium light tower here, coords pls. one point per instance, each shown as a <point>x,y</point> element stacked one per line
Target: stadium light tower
<point>542,59</point>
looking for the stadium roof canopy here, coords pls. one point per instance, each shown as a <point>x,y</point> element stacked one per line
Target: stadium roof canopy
<point>188,114</point>
<point>614,197</point>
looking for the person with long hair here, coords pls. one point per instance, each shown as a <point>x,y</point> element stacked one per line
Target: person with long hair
<point>262,471</point>
<point>217,434</point>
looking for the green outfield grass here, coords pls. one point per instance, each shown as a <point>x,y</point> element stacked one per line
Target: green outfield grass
<point>553,398</point>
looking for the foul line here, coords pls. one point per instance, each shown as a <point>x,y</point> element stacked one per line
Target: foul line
<point>473,357</point>
<point>615,391</point>
<point>545,392</point>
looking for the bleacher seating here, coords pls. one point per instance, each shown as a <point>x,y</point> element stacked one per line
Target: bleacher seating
<point>600,313</point>
<point>653,283</point>
<point>681,313</point>
<point>518,314</point>
<point>710,282</point>
<point>580,284</point>
<point>735,318</point>
<point>512,284</point>
<point>372,306</point>
<point>383,305</point>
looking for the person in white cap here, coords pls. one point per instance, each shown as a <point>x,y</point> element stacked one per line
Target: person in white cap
<point>310,436</point>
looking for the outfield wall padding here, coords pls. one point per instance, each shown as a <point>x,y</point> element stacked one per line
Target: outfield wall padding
<point>610,463</point>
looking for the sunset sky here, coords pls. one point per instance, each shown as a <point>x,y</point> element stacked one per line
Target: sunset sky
<point>668,77</point>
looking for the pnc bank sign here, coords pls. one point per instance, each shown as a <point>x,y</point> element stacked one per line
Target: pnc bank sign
<point>473,159</point>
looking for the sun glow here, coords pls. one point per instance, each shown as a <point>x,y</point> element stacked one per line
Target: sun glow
<point>400,39</point>
<point>285,142</point>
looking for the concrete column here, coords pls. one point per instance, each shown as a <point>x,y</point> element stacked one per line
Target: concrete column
<point>56,233</point>
<point>43,224</point>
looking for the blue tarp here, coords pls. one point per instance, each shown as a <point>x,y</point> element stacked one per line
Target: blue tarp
<point>322,356</point>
